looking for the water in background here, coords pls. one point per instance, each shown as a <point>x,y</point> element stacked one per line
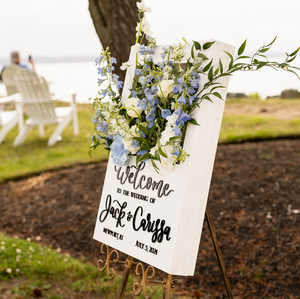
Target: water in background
<point>82,77</point>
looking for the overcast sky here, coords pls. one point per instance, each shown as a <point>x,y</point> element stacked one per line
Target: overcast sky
<point>64,27</point>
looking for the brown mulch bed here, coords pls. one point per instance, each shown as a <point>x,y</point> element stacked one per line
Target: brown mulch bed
<point>254,201</point>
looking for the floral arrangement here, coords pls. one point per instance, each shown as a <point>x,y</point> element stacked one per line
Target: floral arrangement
<point>151,124</point>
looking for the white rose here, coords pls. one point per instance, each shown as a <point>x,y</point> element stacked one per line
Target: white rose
<point>165,87</point>
<point>132,108</point>
<point>168,163</point>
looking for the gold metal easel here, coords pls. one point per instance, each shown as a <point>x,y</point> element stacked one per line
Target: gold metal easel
<point>148,273</point>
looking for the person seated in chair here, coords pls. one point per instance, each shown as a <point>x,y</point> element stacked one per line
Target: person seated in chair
<point>15,60</point>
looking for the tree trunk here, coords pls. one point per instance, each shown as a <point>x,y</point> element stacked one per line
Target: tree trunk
<point>115,22</point>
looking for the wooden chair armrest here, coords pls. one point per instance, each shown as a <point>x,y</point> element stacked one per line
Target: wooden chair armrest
<point>13,98</point>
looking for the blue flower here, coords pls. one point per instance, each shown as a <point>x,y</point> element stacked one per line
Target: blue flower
<point>191,90</point>
<point>176,152</point>
<point>170,63</point>
<point>133,94</point>
<point>194,83</point>
<point>181,100</point>
<point>185,117</point>
<point>118,153</point>
<point>115,78</point>
<point>149,78</point>
<point>102,127</point>
<point>177,131</point>
<point>142,103</point>
<point>119,84</point>
<point>161,65</point>
<point>94,120</point>
<point>163,55</point>
<point>178,111</point>
<point>113,60</point>
<point>101,71</point>
<point>195,76</point>
<point>151,100</point>
<point>100,81</point>
<point>134,143</point>
<point>151,124</point>
<point>142,80</point>
<point>165,113</point>
<point>180,80</point>
<point>177,89</point>
<point>138,72</point>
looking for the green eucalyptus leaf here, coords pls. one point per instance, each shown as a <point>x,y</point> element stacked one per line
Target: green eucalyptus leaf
<point>295,52</point>
<point>162,153</point>
<point>261,64</point>
<point>272,42</point>
<point>264,50</point>
<point>200,55</point>
<point>206,68</point>
<point>197,45</point>
<point>192,52</point>
<point>242,48</point>
<point>243,57</point>
<point>207,98</point>
<point>216,94</point>
<point>173,138</point>
<point>230,56</point>
<point>221,66</point>
<point>211,74</point>
<point>290,60</point>
<point>214,88</point>
<point>193,122</point>
<point>208,45</point>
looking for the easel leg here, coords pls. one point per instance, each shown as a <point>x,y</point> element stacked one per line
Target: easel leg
<point>127,269</point>
<point>218,252</point>
<point>167,287</point>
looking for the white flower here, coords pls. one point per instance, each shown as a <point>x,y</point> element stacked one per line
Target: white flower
<point>18,270</point>
<point>2,248</point>
<point>2,243</point>
<point>136,47</point>
<point>9,270</point>
<point>177,53</point>
<point>18,250</point>
<point>129,142</point>
<point>166,135</point>
<point>28,239</point>
<point>131,105</point>
<point>172,118</point>
<point>38,238</point>
<point>142,6</point>
<point>125,65</point>
<point>58,250</point>
<point>165,87</point>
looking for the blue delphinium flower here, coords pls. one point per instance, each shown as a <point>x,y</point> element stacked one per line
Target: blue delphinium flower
<point>102,127</point>
<point>100,81</point>
<point>119,84</point>
<point>149,78</point>
<point>191,90</point>
<point>142,80</point>
<point>101,71</point>
<point>175,152</point>
<point>177,131</point>
<point>118,153</point>
<point>165,113</point>
<point>181,100</point>
<point>180,80</point>
<point>151,100</point>
<point>113,60</point>
<point>142,103</point>
<point>138,72</point>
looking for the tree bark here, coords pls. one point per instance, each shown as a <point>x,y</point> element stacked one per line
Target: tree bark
<point>115,22</point>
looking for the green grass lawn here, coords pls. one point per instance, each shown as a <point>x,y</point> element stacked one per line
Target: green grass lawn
<point>34,156</point>
<point>27,268</point>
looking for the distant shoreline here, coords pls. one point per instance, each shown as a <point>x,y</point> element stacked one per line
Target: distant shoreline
<point>41,59</point>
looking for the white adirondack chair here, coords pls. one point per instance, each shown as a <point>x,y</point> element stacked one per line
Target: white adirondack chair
<point>40,108</point>
<point>8,78</point>
<point>9,118</point>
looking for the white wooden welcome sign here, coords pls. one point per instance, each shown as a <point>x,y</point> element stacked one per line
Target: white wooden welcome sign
<point>158,218</point>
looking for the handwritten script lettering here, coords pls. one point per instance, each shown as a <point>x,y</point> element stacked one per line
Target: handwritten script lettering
<point>157,227</point>
<point>115,212</point>
<point>141,182</point>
